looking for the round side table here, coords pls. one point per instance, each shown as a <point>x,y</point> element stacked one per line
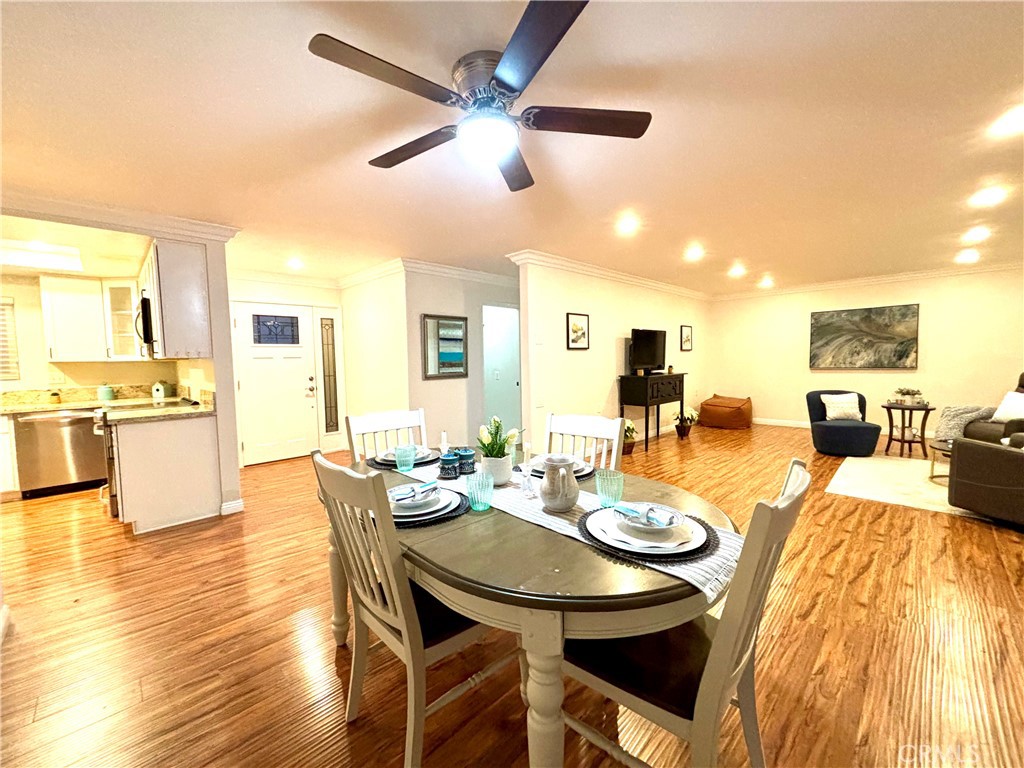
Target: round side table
<point>907,427</point>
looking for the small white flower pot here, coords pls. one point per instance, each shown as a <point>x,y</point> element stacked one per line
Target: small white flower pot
<point>500,469</point>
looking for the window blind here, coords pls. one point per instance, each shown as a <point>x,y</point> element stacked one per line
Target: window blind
<point>8,341</point>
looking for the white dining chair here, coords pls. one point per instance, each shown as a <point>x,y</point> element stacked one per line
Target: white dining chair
<point>374,433</point>
<point>592,438</point>
<point>683,678</point>
<point>414,624</point>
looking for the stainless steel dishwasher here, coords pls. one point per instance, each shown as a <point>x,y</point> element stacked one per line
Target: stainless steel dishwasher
<point>58,448</point>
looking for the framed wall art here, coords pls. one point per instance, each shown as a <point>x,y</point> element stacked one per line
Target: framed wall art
<point>444,347</point>
<point>872,337</point>
<point>686,338</point>
<point>577,331</point>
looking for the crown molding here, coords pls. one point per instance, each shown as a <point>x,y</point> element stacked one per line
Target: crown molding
<point>541,259</point>
<point>459,273</point>
<point>20,203</point>
<point>857,282</point>
<point>278,278</point>
<point>387,269</point>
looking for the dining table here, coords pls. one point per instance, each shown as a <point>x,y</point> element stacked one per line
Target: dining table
<point>506,572</point>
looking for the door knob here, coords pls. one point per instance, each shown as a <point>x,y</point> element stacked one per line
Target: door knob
<point>311,378</point>
<point>311,389</point>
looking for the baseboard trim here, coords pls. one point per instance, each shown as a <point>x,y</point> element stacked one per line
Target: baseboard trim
<point>783,423</point>
<point>231,507</point>
<point>10,495</point>
<point>5,621</point>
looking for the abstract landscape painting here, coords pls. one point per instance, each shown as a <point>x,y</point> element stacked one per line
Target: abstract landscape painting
<point>874,337</point>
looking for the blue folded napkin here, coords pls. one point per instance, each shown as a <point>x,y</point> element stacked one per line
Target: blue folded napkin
<point>647,515</point>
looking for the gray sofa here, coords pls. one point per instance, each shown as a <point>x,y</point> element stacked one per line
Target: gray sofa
<point>992,431</point>
<point>988,479</point>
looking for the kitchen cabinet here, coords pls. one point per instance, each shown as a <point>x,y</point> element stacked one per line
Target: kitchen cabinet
<point>151,489</point>
<point>88,320</point>
<point>120,302</point>
<point>73,321</point>
<point>9,468</point>
<point>173,278</point>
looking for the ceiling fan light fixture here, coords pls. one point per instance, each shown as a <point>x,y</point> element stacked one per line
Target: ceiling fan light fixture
<point>487,136</point>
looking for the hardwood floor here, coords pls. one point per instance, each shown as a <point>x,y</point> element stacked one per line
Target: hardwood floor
<point>892,636</point>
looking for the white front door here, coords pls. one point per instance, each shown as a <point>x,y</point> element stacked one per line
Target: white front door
<point>277,403</point>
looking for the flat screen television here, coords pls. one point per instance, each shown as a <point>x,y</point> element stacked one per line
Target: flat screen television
<point>647,350</point>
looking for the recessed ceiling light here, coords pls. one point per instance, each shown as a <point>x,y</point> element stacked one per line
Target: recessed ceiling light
<point>737,270</point>
<point>295,263</point>
<point>1010,123</point>
<point>987,197</point>
<point>766,282</point>
<point>976,235</point>
<point>967,256</point>
<point>627,225</point>
<point>694,252</point>
<point>39,255</point>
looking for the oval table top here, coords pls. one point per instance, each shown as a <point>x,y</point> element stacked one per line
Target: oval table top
<point>500,557</point>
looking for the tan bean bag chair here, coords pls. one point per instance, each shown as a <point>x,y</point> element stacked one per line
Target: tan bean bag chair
<point>726,412</point>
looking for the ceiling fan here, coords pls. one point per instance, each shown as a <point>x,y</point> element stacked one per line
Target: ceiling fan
<point>487,84</point>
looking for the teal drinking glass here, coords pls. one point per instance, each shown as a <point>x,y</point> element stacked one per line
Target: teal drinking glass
<point>405,457</point>
<point>481,488</point>
<point>609,487</point>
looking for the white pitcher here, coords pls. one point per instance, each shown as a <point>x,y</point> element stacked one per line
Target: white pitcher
<point>559,489</point>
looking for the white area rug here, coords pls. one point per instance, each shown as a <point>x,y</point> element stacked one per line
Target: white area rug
<point>893,480</point>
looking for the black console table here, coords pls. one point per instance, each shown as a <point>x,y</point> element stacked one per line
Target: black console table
<point>656,389</point>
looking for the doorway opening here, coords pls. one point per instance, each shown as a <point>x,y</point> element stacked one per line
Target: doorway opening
<point>502,391</point>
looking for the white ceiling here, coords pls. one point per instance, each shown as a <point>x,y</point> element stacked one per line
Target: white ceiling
<point>104,253</point>
<point>815,141</point>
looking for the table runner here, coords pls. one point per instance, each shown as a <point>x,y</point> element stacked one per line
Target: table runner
<point>710,575</point>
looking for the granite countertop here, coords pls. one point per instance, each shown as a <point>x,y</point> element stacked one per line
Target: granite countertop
<point>164,413</point>
<point>117,413</point>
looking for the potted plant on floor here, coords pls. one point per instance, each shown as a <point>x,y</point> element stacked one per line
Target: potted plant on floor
<point>629,438</point>
<point>685,421</point>
<point>494,445</point>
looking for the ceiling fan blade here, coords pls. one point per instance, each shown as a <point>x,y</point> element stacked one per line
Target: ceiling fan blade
<point>514,169</point>
<point>327,47</point>
<point>599,122</point>
<point>414,147</point>
<point>543,25</point>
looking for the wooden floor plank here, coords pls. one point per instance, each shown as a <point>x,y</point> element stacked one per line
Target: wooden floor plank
<point>889,633</point>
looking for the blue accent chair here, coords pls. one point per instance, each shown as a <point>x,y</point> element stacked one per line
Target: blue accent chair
<point>843,437</point>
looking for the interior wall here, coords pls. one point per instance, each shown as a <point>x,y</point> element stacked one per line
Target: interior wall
<point>279,289</point>
<point>559,380</point>
<point>453,405</point>
<point>970,341</point>
<point>375,344</point>
<point>36,370</point>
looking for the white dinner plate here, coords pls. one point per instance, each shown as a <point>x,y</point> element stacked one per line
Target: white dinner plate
<point>639,527</point>
<point>603,527</point>
<point>445,502</point>
<point>389,455</point>
<point>413,503</point>
<point>579,466</point>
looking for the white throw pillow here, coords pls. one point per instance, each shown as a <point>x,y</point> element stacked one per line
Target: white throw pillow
<point>1012,407</point>
<point>845,407</point>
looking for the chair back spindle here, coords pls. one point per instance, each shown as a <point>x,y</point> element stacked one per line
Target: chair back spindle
<point>375,433</point>
<point>360,516</point>
<point>595,439</point>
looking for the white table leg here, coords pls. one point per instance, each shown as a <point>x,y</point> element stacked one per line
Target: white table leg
<point>339,592</point>
<point>542,641</point>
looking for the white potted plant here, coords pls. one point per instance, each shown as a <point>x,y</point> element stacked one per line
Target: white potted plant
<point>495,445</point>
